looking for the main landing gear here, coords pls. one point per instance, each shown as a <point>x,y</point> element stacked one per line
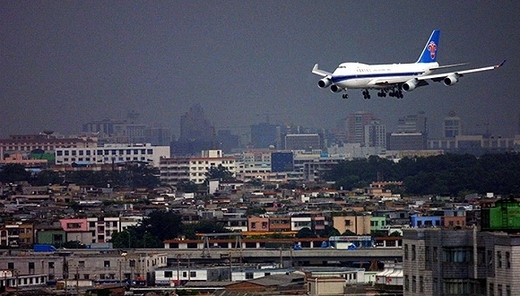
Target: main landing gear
<point>366,94</point>
<point>394,92</point>
<point>398,93</point>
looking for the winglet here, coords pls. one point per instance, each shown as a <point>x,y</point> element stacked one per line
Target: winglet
<point>500,65</point>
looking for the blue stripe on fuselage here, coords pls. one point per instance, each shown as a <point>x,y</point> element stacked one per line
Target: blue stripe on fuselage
<point>340,78</point>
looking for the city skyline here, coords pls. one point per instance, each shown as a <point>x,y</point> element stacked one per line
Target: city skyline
<point>65,63</point>
<point>132,118</point>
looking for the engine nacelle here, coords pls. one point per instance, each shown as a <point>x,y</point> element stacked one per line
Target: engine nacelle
<point>451,79</point>
<point>335,89</point>
<point>410,85</point>
<point>323,83</point>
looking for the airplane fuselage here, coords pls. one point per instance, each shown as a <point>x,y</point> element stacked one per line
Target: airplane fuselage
<point>393,79</point>
<point>363,76</point>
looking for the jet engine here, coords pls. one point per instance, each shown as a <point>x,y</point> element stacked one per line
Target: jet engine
<point>451,79</point>
<point>335,89</point>
<point>323,83</point>
<point>410,85</point>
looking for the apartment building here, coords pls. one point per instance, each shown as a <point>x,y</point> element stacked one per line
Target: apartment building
<point>112,153</point>
<point>194,169</point>
<point>45,142</point>
<point>94,229</point>
<point>94,266</point>
<point>18,234</point>
<point>460,262</point>
<point>356,223</point>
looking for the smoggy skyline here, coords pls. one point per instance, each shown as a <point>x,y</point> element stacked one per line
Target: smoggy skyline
<point>64,63</point>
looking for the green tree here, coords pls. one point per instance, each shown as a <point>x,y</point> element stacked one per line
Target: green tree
<point>219,172</point>
<point>73,245</point>
<point>46,177</point>
<point>305,232</point>
<point>11,173</point>
<point>164,225</point>
<point>187,186</point>
<point>204,226</point>
<point>328,231</point>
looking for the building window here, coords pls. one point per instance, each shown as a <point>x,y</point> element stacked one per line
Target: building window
<point>406,252</point>
<point>81,264</point>
<point>168,274</point>
<point>457,255</point>
<point>249,275</point>
<point>406,283</point>
<point>490,258</point>
<point>347,223</point>
<point>413,253</point>
<point>106,263</point>
<point>491,289</point>
<point>421,284</point>
<point>508,260</point>
<point>193,274</point>
<point>499,259</point>
<point>414,283</point>
<point>435,254</point>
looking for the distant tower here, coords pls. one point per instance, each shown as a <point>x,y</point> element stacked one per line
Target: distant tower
<point>133,116</point>
<point>197,133</point>
<point>195,126</point>
<point>375,134</point>
<point>451,125</point>
<point>413,124</point>
<point>264,135</point>
<point>356,123</point>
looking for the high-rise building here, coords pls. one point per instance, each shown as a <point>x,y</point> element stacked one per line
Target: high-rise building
<point>306,142</point>
<point>197,133</point>
<point>451,126</point>
<point>264,135</point>
<point>356,123</point>
<point>195,126</point>
<point>159,136</point>
<point>413,124</point>
<point>227,141</point>
<point>375,134</point>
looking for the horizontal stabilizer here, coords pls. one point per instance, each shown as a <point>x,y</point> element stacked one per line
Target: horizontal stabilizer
<point>317,71</point>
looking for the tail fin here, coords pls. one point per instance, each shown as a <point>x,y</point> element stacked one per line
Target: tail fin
<point>429,53</point>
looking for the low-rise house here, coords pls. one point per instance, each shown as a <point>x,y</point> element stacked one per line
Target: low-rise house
<point>293,283</point>
<point>178,275</point>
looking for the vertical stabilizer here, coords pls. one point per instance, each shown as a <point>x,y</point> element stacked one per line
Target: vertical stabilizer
<point>429,53</point>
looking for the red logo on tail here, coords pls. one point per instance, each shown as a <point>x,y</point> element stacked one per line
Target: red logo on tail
<point>432,48</point>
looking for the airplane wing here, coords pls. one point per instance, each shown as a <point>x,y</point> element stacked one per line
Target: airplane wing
<point>322,73</point>
<point>449,66</point>
<point>441,76</point>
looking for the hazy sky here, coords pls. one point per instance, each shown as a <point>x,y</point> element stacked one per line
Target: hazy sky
<point>63,63</point>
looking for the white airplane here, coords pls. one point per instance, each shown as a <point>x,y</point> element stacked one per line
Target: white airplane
<point>392,79</point>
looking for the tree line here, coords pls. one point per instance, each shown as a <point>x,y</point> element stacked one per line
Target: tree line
<point>162,225</point>
<point>449,174</point>
<point>133,176</point>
